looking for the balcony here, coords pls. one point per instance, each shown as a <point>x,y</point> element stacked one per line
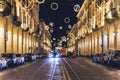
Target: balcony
<point>111,15</point>
<point>5,8</point>
<point>16,21</point>
<point>115,8</point>
<point>100,18</point>
<point>93,22</point>
<point>84,17</point>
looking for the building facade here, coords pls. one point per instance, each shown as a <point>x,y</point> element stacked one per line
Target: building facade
<point>72,41</point>
<point>46,38</point>
<point>98,26</point>
<point>19,20</point>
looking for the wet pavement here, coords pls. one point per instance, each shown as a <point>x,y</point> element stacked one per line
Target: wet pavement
<point>85,69</point>
<point>61,69</point>
<point>46,69</point>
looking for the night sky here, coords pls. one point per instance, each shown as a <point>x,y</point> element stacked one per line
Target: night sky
<point>58,17</point>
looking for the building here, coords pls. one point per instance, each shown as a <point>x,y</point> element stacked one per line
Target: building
<point>45,38</point>
<point>72,42</point>
<point>98,26</point>
<point>19,21</point>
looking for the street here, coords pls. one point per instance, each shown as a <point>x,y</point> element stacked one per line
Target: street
<point>85,69</point>
<point>59,39</point>
<point>61,69</point>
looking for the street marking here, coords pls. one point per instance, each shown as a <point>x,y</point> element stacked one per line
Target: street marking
<point>72,69</point>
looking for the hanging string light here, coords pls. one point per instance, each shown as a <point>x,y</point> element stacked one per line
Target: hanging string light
<point>40,1</point>
<point>51,24</point>
<point>60,27</point>
<point>54,6</point>
<point>76,7</point>
<point>69,26</point>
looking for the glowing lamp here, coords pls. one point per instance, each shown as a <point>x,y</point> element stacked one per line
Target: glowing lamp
<point>40,1</point>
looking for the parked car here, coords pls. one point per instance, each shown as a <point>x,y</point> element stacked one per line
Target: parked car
<point>112,57</point>
<point>20,59</point>
<point>69,54</point>
<point>3,63</point>
<point>43,55</point>
<point>37,56</point>
<point>10,58</point>
<point>107,56</point>
<point>98,58</point>
<point>30,57</point>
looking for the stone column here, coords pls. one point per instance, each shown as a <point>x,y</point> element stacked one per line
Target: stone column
<point>115,32</point>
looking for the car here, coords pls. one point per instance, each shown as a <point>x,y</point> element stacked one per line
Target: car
<point>10,58</point>
<point>29,57</point>
<point>20,58</point>
<point>3,63</point>
<point>38,56</point>
<point>63,54</point>
<point>54,55</point>
<point>114,58</point>
<point>43,55</point>
<point>69,54</point>
<point>94,58</point>
<point>107,56</point>
<point>98,58</point>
